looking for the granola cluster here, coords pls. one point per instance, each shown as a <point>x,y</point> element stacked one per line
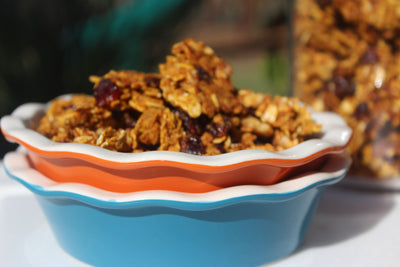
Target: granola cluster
<point>347,60</point>
<point>190,106</point>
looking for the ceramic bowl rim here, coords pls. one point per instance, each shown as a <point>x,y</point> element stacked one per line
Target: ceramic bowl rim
<point>336,135</point>
<point>17,166</point>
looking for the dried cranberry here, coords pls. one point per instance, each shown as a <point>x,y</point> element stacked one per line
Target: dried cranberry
<point>192,145</point>
<point>190,125</point>
<point>369,57</point>
<point>125,119</point>
<point>344,87</point>
<point>187,121</point>
<point>216,129</point>
<point>361,110</point>
<point>152,81</point>
<point>129,118</point>
<point>201,123</point>
<point>221,147</point>
<point>249,111</point>
<point>324,3</point>
<point>202,74</point>
<point>219,129</point>
<point>106,92</point>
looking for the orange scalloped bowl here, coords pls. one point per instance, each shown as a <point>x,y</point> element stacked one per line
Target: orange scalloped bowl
<point>167,175</point>
<point>167,170</point>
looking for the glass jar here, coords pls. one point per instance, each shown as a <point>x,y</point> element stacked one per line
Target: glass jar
<point>347,60</point>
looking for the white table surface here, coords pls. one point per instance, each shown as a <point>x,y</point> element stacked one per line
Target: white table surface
<point>350,228</point>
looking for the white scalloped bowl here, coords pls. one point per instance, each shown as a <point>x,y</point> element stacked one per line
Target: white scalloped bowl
<point>166,170</point>
<point>247,225</point>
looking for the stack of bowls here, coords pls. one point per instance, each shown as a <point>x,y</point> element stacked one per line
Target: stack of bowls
<point>162,208</point>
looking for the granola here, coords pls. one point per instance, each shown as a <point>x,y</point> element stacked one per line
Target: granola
<point>190,106</point>
<point>346,60</point>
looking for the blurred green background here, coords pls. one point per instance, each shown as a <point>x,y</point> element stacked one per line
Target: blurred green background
<point>49,48</point>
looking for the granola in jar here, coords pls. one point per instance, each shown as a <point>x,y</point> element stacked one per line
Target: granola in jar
<point>346,60</point>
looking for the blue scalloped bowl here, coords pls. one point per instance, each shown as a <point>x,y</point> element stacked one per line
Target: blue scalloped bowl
<point>245,225</point>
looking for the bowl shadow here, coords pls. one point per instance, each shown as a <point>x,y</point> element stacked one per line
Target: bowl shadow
<point>344,213</point>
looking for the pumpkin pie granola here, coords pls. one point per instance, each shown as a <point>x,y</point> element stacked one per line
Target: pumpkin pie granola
<point>191,106</point>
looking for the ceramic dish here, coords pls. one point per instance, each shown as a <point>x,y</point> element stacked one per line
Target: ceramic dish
<point>165,170</point>
<point>238,226</point>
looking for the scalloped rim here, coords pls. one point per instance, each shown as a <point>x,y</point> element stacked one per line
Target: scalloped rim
<point>335,137</point>
<point>18,167</point>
